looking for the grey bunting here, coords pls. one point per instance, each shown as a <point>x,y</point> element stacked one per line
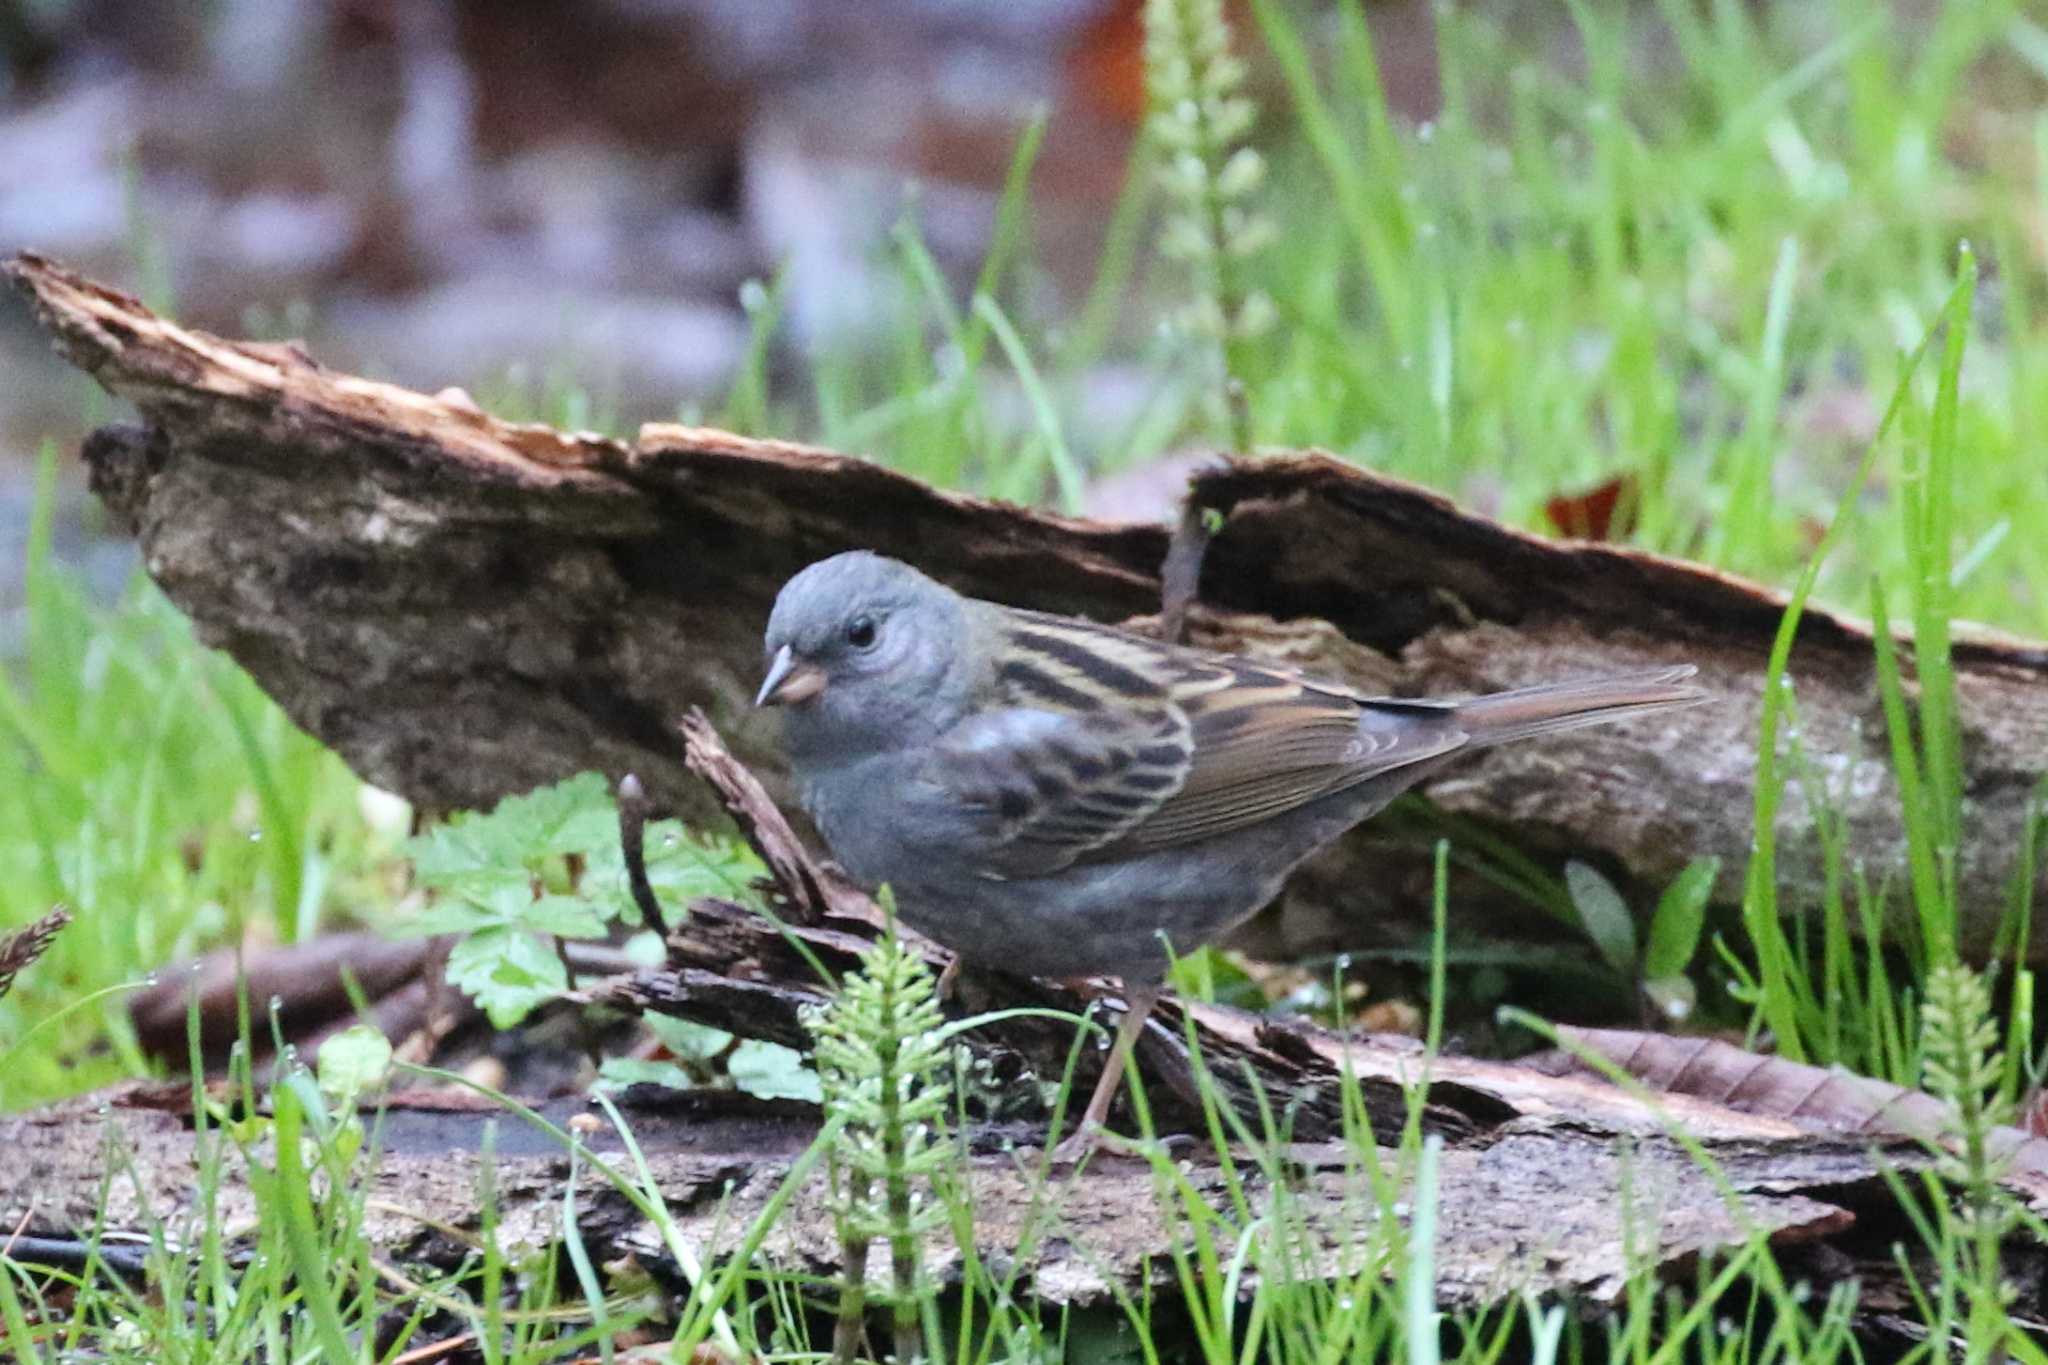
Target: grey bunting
<point>1052,797</point>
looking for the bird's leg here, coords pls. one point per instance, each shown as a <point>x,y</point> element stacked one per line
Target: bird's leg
<point>1138,1003</point>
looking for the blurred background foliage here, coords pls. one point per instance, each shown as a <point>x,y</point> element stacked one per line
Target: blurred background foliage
<point>1636,269</point>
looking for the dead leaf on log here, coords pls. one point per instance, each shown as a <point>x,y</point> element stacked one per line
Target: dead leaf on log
<point>1606,511</point>
<point>1817,1099</point>
<point>466,608</point>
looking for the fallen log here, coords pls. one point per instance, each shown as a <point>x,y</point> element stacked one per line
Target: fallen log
<point>1532,1206</point>
<point>466,608</point>
<point>1548,1180</point>
<point>1555,1184</point>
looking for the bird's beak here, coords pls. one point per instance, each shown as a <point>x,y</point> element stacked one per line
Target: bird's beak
<point>789,682</point>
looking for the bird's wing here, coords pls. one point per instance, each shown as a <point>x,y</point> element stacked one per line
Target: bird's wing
<point>1101,744</point>
<point>1041,789</point>
<point>1267,741</point>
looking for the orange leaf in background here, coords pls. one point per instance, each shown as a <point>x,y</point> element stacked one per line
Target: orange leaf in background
<point>1106,65</point>
<point>1606,511</point>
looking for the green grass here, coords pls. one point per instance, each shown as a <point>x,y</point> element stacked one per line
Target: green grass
<point>1732,265</point>
<point>1705,280</point>
<point>152,788</point>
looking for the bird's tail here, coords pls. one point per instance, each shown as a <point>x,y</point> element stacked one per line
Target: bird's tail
<point>1541,710</point>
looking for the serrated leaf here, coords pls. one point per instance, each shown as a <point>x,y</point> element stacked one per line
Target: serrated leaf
<point>563,916</point>
<point>574,816</point>
<point>507,972</point>
<point>449,852</point>
<point>1680,915</point>
<point>681,866</point>
<point>479,902</point>
<point>1603,914</point>
<point>352,1062</point>
<point>773,1072</point>
<point>453,915</point>
<point>616,1073</point>
<point>686,1039</point>
<point>486,867</point>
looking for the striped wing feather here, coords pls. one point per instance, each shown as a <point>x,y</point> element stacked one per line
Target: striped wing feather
<point>1271,742</point>
<point>1102,744</point>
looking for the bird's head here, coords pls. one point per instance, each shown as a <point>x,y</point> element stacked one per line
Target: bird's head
<point>864,654</point>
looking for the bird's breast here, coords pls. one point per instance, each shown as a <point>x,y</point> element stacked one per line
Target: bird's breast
<point>862,813</point>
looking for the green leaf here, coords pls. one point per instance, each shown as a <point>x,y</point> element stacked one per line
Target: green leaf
<point>352,1062</point>
<point>563,916</point>
<point>576,816</point>
<point>681,866</point>
<point>645,949</point>
<point>1603,914</point>
<point>512,905</point>
<point>486,869</point>
<point>773,1072</point>
<point>480,901</point>
<point>1680,915</point>
<point>447,853</point>
<point>296,1102</point>
<point>454,915</point>
<point>616,1073</point>
<point>507,972</point>
<point>686,1039</point>
<point>300,1083</point>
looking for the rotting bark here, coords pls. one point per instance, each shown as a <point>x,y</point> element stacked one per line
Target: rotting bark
<point>466,608</point>
<point>1534,1205</point>
<point>1551,1182</point>
<point>1530,1193</point>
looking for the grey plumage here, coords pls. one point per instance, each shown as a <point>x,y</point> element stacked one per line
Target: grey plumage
<point>1047,795</point>
<point>1058,798</point>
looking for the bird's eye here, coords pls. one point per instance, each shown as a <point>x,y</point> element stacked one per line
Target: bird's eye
<point>860,632</point>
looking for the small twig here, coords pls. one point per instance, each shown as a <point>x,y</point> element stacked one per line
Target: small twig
<point>397,1279</point>
<point>1237,401</point>
<point>809,890</point>
<point>586,1028</point>
<point>74,1253</point>
<point>1180,576</point>
<point>445,1346</point>
<point>634,808</point>
<point>439,1225</point>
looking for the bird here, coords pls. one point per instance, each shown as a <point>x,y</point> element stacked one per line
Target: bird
<point>1049,796</point>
